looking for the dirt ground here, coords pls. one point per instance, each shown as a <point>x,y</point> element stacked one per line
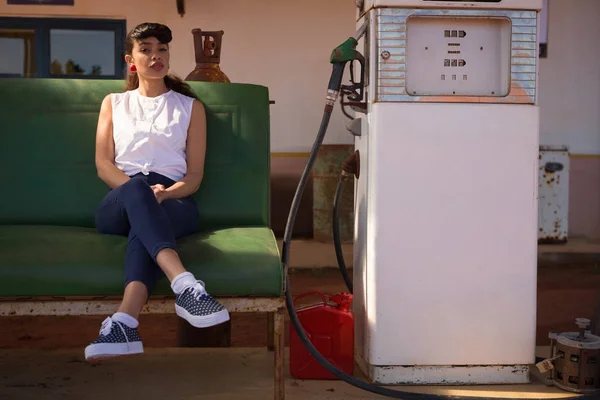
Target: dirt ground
<point>564,293</point>
<point>194,374</point>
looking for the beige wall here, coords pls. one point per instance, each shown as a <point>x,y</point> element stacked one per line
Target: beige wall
<point>570,77</point>
<point>584,197</point>
<point>282,44</point>
<point>285,45</point>
<point>570,105</point>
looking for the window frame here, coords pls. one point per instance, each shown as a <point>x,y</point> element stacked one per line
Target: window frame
<point>42,27</point>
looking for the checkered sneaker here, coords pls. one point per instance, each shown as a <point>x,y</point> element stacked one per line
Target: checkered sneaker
<point>199,308</point>
<point>115,339</point>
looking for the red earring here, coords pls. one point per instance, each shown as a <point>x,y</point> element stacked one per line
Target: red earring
<point>132,68</point>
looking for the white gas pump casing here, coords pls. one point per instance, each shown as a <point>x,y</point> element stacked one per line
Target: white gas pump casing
<point>445,247</point>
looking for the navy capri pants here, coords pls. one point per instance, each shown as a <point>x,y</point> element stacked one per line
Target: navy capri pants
<point>132,210</point>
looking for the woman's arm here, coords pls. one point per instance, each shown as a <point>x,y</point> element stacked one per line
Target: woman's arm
<point>196,153</point>
<point>105,148</point>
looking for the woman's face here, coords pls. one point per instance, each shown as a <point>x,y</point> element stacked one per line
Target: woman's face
<point>150,57</point>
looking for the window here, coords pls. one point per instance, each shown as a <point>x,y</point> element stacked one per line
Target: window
<point>20,45</point>
<point>62,48</point>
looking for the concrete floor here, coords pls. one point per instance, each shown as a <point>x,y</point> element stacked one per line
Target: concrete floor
<point>190,374</point>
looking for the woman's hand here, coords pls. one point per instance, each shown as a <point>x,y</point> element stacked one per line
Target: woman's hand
<point>159,192</point>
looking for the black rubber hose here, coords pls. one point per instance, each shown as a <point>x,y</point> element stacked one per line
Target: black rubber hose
<point>289,226</point>
<point>336,233</point>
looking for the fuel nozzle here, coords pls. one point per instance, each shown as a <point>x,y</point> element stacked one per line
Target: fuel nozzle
<point>340,56</point>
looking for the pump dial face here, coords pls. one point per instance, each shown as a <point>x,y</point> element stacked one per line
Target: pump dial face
<point>459,56</point>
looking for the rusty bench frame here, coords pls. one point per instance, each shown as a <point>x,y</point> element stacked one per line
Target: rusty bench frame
<point>52,306</point>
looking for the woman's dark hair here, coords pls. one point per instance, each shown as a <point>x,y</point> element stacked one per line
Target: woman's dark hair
<point>163,34</point>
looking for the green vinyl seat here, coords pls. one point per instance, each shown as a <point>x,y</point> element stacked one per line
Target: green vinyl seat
<point>48,243</point>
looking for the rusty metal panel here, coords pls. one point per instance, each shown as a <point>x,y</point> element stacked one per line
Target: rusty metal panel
<point>103,307</point>
<point>390,72</point>
<point>553,195</point>
<point>326,174</point>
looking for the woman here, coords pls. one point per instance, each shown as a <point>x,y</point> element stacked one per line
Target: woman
<point>150,151</point>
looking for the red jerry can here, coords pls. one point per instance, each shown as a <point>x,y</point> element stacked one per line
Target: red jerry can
<point>330,327</point>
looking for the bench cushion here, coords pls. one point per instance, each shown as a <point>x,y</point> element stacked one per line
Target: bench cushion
<point>78,261</point>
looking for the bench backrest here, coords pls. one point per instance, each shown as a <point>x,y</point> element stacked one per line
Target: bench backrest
<point>47,140</point>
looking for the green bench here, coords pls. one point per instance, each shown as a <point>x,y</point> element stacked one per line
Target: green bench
<point>53,262</point>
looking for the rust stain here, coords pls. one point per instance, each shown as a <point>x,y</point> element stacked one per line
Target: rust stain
<point>517,95</point>
<point>243,304</point>
<point>519,46</point>
<point>521,55</point>
<point>552,240</point>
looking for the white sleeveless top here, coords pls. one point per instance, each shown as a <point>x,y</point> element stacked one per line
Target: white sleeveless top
<point>150,133</point>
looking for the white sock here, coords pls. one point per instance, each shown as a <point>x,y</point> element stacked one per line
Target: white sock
<point>126,319</point>
<point>183,281</point>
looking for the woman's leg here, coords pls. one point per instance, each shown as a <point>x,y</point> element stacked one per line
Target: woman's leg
<point>151,222</point>
<point>193,303</point>
<point>112,218</point>
<point>134,298</point>
<point>141,274</point>
<point>152,228</point>
<point>118,334</point>
<point>131,209</point>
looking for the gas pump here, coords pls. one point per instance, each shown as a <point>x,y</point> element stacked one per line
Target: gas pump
<point>446,137</point>
<point>445,262</point>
